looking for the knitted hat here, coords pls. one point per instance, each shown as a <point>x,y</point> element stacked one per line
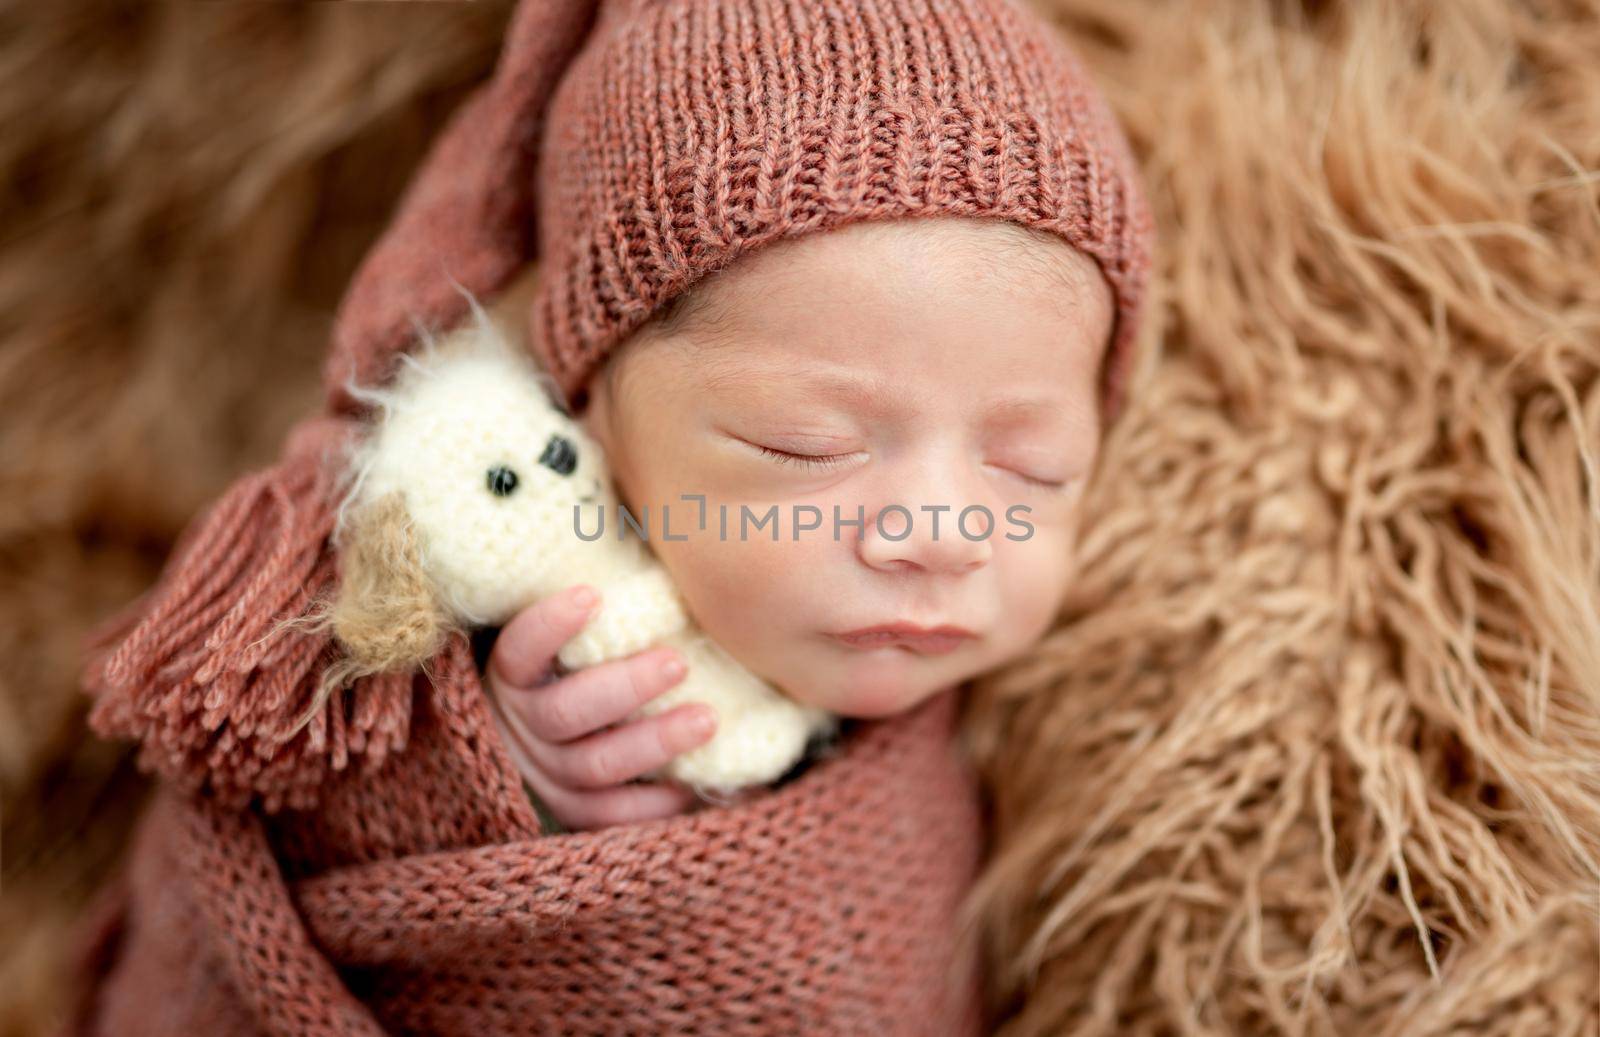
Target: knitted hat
<point>636,146</point>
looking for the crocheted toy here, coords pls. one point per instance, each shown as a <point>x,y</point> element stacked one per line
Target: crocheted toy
<point>467,502</point>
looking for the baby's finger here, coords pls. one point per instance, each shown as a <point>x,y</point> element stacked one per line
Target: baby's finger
<point>526,646</point>
<point>624,753</point>
<point>596,696</point>
<point>625,804</point>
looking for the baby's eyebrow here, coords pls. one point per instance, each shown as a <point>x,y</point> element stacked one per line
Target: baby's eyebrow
<point>869,392</point>
<point>865,391</point>
<point>1022,406</point>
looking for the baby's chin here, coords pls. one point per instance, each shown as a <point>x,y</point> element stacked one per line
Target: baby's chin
<point>870,684</point>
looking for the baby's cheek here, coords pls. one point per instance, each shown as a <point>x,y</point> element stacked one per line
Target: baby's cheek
<point>735,589</point>
<point>1036,576</point>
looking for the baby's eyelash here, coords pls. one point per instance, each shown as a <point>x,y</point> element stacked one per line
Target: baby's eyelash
<point>826,461</point>
<point>1046,485</point>
<point>806,460</point>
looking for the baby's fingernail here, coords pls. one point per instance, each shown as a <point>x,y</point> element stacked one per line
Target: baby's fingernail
<point>673,668</point>
<point>583,598</point>
<point>702,722</point>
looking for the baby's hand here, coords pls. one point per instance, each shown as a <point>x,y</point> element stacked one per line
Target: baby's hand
<point>577,770</point>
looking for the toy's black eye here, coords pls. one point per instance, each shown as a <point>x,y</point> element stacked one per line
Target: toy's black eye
<point>502,481</point>
<point>559,455</point>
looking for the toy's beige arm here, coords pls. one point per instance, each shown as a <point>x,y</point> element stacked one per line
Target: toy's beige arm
<point>636,611</point>
<point>760,733</point>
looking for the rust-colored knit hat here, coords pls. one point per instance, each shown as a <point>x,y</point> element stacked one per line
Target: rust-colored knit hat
<point>635,146</point>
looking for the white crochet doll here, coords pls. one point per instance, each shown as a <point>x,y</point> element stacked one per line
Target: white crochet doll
<point>464,508</point>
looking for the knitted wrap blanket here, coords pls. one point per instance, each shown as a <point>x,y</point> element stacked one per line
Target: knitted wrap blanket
<point>422,899</point>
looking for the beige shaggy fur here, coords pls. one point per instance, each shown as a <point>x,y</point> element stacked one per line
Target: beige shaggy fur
<point>1314,746</point>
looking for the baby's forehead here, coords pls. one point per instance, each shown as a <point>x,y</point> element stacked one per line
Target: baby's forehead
<point>1026,256</point>
<point>771,311</point>
<point>997,253</point>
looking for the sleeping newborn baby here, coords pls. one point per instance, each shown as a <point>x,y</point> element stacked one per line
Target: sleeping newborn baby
<point>935,379</point>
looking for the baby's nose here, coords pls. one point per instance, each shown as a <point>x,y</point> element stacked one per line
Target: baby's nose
<point>936,539</point>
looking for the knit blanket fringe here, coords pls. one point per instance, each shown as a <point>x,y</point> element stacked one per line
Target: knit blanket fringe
<point>208,673</point>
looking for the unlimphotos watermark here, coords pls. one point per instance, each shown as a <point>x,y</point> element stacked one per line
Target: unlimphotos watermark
<point>974,522</point>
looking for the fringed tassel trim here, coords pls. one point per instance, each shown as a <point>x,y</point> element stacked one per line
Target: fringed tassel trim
<point>219,670</point>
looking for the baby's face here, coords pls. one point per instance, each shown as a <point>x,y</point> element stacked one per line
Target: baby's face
<point>937,366</point>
